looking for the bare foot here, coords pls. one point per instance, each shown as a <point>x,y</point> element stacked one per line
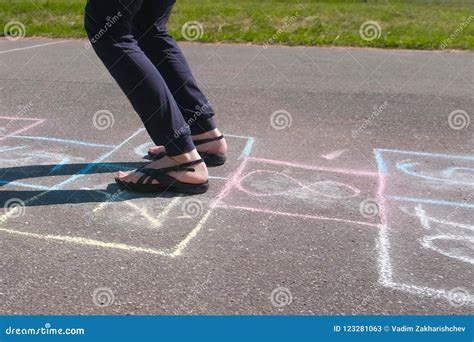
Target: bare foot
<point>198,177</point>
<point>218,147</point>
<point>156,149</point>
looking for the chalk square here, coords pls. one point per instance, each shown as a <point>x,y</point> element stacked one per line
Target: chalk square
<point>431,178</point>
<point>430,250</point>
<point>275,187</point>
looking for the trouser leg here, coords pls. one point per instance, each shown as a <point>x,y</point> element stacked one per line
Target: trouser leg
<point>150,25</point>
<point>109,25</point>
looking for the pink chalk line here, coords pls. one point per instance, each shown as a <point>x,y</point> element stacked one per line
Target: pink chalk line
<point>334,155</point>
<point>313,217</point>
<point>311,167</point>
<point>38,122</point>
<point>232,182</point>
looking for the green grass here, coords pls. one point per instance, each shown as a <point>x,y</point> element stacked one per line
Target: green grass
<point>422,24</point>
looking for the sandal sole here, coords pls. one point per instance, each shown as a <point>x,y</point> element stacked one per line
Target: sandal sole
<point>185,188</point>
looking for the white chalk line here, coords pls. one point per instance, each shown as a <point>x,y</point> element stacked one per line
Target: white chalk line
<point>427,242</point>
<point>32,46</point>
<point>385,264</point>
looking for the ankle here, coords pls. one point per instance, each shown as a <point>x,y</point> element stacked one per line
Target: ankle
<point>186,157</point>
<point>210,134</point>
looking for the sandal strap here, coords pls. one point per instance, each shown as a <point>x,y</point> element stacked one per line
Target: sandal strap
<point>205,141</point>
<point>182,167</point>
<point>161,175</point>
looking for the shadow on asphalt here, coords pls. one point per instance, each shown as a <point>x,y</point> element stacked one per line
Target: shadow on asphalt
<point>54,196</point>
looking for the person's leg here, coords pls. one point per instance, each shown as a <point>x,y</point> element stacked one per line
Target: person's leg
<point>109,27</point>
<point>150,26</point>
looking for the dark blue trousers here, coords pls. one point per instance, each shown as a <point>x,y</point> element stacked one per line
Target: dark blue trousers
<point>131,39</point>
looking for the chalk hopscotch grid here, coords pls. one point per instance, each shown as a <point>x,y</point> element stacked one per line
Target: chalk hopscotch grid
<point>383,244</point>
<point>174,252</point>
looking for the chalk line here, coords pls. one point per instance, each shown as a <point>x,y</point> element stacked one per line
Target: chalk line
<point>81,173</point>
<point>429,201</point>
<point>311,167</point>
<point>33,46</point>
<point>334,155</point>
<point>38,122</point>
<point>66,141</point>
<point>427,242</point>
<point>383,247</point>
<point>86,242</point>
<point>303,216</point>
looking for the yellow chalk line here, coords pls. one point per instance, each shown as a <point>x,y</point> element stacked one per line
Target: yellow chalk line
<point>166,210</point>
<point>8,214</point>
<point>88,242</point>
<point>156,222</point>
<point>184,243</point>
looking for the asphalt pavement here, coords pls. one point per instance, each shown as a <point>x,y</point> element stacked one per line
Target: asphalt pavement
<point>349,187</point>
